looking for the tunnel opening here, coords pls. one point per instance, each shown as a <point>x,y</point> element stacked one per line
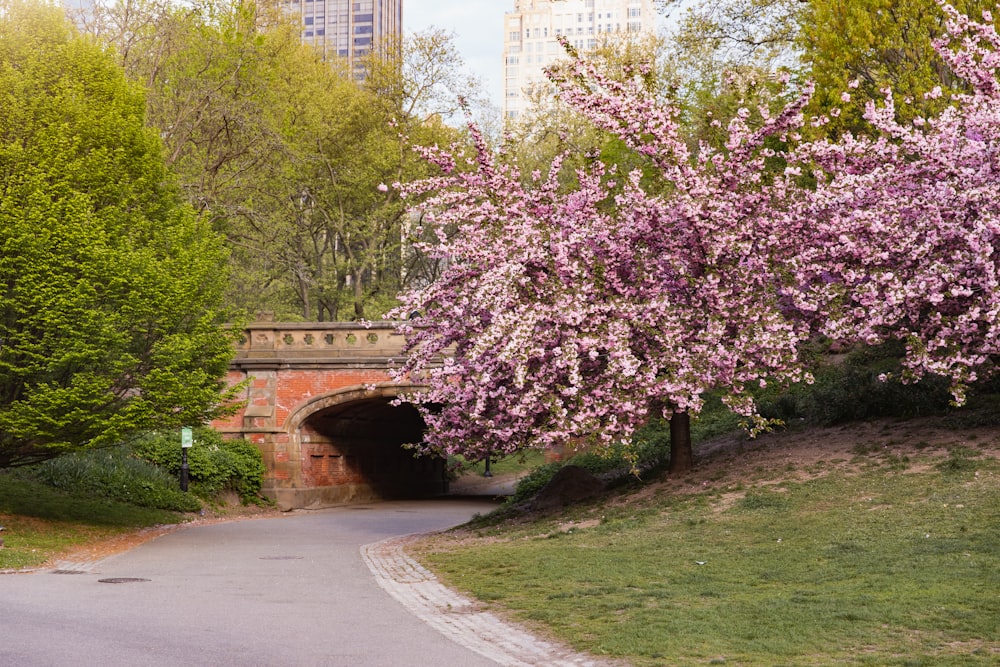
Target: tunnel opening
<point>360,445</point>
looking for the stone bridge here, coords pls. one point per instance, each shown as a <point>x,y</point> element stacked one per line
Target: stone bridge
<point>318,405</point>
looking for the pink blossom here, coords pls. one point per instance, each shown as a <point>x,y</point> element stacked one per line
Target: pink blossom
<point>572,314</point>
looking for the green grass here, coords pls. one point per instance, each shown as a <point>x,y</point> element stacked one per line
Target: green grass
<point>895,561</point>
<point>41,522</point>
<point>516,463</point>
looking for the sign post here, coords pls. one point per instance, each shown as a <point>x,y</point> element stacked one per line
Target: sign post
<point>187,439</point>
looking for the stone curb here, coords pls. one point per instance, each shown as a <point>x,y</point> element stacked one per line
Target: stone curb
<point>459,618</point>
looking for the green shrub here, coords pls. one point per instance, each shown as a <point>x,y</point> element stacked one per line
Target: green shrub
<point>714,420</point>
<point>115,474</point>
<point>851,390</point>
<point>649,449</point>
<point>214,465</point>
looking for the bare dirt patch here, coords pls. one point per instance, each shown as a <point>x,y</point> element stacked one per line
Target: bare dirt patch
<point>797,454</point>
<point>728,465</point>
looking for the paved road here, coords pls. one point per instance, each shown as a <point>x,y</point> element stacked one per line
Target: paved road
<point>288,591</point>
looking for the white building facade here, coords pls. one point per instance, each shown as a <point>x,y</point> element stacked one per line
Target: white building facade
<point>531,32</point>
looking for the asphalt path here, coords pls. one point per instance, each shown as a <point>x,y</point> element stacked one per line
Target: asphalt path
<point>290,591</point>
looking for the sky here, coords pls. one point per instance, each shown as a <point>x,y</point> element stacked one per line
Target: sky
<point>477,26</point>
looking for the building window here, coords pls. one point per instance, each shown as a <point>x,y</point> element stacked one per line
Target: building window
<point>514,36</point>
<point>634,12</point>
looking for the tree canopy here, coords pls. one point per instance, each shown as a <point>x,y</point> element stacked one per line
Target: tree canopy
<point>283,151</point>
<point>572,313</point>
<point>111,284</point>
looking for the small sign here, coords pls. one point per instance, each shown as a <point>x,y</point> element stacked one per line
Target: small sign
<point>187,438</point>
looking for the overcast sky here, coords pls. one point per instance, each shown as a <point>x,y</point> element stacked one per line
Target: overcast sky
<point>478,32</point>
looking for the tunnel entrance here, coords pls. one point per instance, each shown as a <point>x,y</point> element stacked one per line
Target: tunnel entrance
<point>359,445</point>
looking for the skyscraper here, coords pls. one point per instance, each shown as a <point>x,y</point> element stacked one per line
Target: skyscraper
<point>531,31</point>
<point>350,29</point>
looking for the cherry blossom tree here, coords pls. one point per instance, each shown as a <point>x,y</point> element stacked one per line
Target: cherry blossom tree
<point>572,314</point>
<point>904,223</point>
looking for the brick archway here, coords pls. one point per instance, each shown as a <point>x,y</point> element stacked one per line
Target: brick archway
<point>318,405</point>
<point>352,445</point>
<point>346,395</point>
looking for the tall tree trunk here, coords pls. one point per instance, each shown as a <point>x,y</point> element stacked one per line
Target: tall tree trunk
<point>681,458</point>
<point>359,302</point>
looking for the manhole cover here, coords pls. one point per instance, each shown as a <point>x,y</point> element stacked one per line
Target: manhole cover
<point>68,572</point>
<point>122,580</point>
<point>281,557</point>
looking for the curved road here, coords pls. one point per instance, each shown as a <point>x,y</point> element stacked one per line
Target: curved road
<point>288,591</point>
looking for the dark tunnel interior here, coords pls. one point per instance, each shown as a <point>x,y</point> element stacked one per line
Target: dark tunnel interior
<point>361,443</point>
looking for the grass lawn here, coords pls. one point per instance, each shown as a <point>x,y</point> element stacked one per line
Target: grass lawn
<point>42,522</point>
<point>517,463</point>
<point>861,549</point>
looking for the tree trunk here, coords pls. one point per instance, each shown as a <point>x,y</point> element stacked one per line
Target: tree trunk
<point>359,304</point>
<point>681,458</point>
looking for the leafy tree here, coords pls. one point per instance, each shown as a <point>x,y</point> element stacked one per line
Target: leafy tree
<point>346,244</point>
<point>109,319</point>
<point>728,52</point>
<point>732,54</point>
<point>221,81</point>
<point>878,45</point>
<point>285,152</point>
